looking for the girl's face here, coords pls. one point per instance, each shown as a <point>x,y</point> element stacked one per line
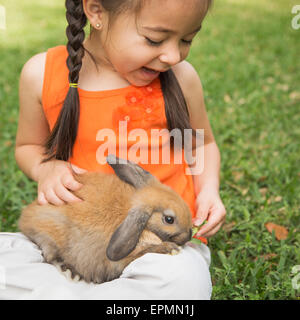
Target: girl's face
<point>157,38</point>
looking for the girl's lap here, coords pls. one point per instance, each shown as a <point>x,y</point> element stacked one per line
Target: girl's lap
<point>24,275</point>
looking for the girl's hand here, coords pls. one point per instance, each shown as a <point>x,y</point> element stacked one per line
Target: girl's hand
<point>209,207</point>
<point>56,181</point>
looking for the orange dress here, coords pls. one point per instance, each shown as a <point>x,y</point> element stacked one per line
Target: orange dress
<point>112,120</point>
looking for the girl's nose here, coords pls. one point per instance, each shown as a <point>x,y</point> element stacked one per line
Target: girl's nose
<point>171,56</point>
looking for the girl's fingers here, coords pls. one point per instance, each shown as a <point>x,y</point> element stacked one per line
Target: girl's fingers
<point>77,169</point>
<point>201,215</point>
<point>70,183</point>
<point>65,194</point>
<point>199,220</point>
<point>213,231</point>
<point>41,199</point>
<point>53,198</point>
<point>215,218</point>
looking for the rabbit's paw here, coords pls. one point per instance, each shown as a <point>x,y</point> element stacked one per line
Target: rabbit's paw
<point>168,248</point>
<point>68,271</point>
<point>174,252</point>
<point>172,248</point>
<point>50,253</point>
<point>70,275</point>
<point>164,248</point>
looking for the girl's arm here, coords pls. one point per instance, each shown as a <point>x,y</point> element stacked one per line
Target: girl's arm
<point>209,178</point>
<point>33,128</point>
<point>53,177</point>
<point>206,184</point>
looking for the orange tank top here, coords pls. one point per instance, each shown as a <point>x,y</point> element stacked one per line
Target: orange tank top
<point>120,121</point>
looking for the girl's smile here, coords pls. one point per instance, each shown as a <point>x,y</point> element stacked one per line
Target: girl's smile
<point>149,74</point>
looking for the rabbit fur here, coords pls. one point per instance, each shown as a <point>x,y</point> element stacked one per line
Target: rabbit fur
<point>122,216</point>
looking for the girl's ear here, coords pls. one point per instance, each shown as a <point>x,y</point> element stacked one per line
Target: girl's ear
<point>93,11</point>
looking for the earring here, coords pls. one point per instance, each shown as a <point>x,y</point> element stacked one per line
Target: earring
<point>98,26</point>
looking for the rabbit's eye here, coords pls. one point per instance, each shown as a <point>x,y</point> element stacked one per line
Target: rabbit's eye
<point>169,219</point>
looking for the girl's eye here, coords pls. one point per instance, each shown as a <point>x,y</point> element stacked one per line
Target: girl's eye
<point>187,42</point>
<point>157,43</point>
<point>153,43</point>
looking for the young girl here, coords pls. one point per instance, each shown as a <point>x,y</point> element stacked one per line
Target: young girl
<point>130,70</point>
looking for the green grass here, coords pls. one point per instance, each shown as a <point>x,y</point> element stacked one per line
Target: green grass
<point>247,56</point>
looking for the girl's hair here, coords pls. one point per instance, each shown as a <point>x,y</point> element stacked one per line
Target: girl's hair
<point>62,138</point>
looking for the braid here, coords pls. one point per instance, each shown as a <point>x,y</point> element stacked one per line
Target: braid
<point>75,33</point>
<point>60,143</point>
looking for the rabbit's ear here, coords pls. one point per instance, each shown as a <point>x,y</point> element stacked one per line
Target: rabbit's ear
<point>127,235</point>
<point>129,171</point>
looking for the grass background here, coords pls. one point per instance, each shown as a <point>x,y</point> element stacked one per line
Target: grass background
<point>247,56</point>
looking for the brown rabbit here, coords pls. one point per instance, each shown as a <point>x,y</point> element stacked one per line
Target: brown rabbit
<point>122,217</point>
